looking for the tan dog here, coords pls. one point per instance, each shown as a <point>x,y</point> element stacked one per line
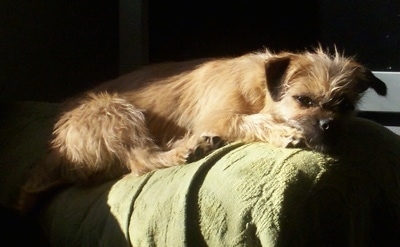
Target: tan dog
<point>165,115</point>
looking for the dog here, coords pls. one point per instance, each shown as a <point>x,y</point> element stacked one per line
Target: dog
<point>174,113</point>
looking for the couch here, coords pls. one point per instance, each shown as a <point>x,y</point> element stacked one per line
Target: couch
<point>240,195</point>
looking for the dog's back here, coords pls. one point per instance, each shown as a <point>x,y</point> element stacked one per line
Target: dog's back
<point>182,96</point>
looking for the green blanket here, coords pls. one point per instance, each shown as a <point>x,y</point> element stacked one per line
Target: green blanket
<point>240,195</point>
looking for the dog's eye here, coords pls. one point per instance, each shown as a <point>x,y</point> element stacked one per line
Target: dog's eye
<point>304,101</point>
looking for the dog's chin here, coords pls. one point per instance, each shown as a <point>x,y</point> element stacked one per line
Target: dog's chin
<point>323,142</point>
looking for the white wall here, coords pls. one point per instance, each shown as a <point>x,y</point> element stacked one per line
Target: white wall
<point>391,103</point>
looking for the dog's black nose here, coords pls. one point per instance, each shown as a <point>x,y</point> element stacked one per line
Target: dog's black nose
<point>325,124</point>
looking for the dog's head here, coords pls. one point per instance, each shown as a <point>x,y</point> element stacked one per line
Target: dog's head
<point>316,91</point>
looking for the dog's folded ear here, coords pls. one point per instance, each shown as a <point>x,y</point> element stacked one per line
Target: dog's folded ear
<point>371,81</point>
<point>275,69</point>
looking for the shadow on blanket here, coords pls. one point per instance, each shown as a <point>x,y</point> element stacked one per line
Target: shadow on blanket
<point>241,195</point>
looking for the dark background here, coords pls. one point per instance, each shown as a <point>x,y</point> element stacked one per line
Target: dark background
<point>50,50</point>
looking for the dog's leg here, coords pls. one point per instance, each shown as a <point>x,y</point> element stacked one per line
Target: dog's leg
<point>257,127</point>
<point>43,178</point>
<point>106,136</point>
<point>206,144</point>
<point>266,128</point>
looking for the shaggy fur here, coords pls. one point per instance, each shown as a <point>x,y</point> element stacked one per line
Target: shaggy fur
<point>164,115</point>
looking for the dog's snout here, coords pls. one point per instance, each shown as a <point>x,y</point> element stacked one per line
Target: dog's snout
<point>325,124</point>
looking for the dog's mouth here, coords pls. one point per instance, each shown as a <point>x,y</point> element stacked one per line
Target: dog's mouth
<point>323,142</point>
<point>323,136</point>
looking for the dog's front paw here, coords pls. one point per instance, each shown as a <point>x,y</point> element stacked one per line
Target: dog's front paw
<point>295,138</point>
<point>205,145</point>
<point>286,137</point>
<point>293,142</point>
